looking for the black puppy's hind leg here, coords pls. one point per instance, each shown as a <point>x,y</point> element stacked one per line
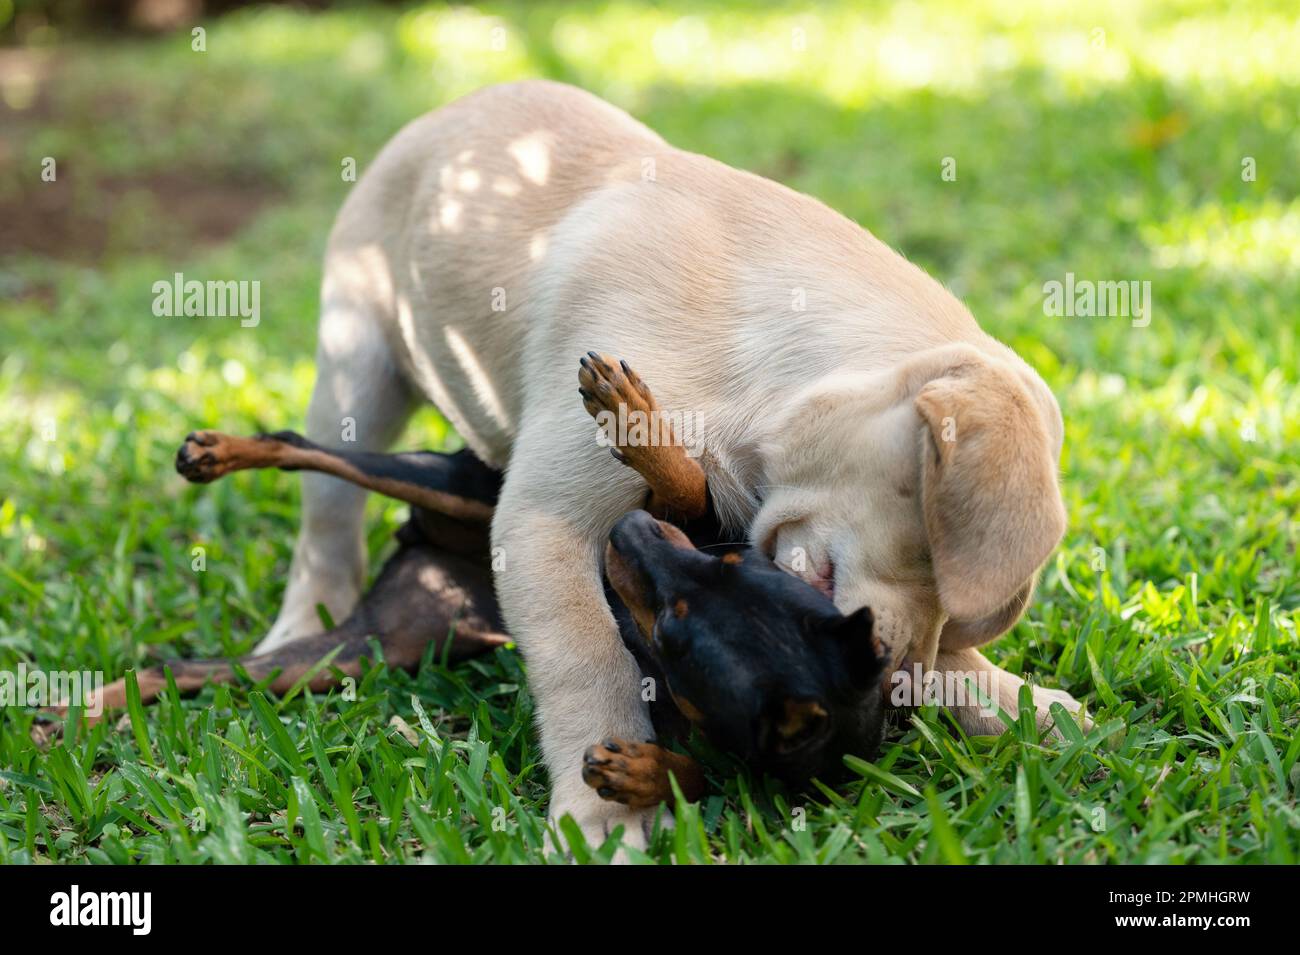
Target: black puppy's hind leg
<point>457,485</point>
<point>422,596</point>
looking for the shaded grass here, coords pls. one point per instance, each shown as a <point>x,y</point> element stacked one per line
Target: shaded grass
<point>1170,606</point>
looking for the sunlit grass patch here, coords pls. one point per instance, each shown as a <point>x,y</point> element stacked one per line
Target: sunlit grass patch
<point>1261,241</point>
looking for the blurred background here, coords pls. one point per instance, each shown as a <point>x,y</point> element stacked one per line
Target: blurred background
<point>1126,140</point>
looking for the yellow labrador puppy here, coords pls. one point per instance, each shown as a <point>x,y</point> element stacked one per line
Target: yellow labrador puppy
<point>846,407</point>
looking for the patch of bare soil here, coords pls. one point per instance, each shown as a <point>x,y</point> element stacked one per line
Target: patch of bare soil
<point>83,222</point>
<point>86,218</point>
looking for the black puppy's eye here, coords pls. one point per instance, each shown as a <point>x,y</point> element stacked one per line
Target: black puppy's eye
<point>793,724</point>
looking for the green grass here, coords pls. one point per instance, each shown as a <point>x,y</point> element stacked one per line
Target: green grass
<point>1170,606</point>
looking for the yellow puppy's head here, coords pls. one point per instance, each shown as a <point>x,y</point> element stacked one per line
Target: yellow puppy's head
<point>927,493</point>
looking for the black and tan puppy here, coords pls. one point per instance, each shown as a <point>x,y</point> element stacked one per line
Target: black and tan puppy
<point>762,663</point>
<point>758,660</point>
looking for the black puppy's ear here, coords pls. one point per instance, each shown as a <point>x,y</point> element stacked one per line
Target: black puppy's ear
<point>863,653</point>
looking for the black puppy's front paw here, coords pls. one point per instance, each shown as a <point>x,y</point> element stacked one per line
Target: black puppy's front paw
<point>634,774</point>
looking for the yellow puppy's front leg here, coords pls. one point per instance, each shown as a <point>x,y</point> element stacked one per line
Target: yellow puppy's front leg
<point>996,685</point>
<point>548,534</point>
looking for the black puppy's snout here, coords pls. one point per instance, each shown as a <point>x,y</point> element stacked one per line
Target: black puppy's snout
<point>635,532</point>
<point>636,523</point>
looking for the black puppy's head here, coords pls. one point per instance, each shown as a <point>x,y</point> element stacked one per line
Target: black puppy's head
<point>760,661</point>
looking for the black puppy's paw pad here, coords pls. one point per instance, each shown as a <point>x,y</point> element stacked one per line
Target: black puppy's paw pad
<point>198,460</point>
<point>193,465</point>
<point>626,772</point>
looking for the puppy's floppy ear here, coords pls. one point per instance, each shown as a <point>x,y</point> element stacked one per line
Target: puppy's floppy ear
<point>958,634</point>
<point>993,511</point>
